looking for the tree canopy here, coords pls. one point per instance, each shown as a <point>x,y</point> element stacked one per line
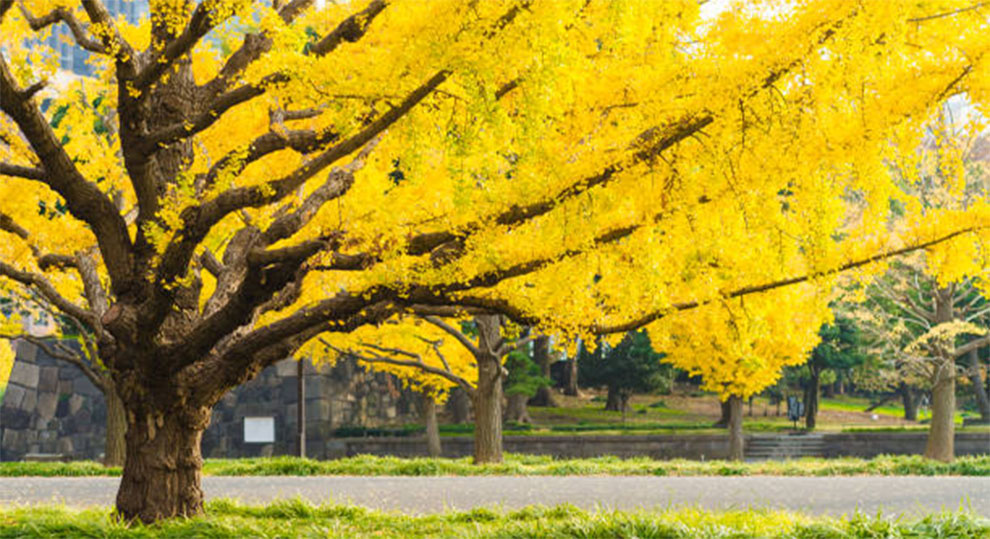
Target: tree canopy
<point>248,175</point>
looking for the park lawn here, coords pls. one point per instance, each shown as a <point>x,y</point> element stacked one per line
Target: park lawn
<point>296,518</point>
<point>369,465</point>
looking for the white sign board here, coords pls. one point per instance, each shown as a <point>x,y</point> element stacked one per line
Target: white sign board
<point>259,430</point>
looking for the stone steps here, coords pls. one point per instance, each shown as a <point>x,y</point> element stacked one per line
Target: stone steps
<point>785,447</point>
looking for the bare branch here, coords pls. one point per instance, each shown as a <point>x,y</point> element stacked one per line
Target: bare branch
<point>350,29</point>
<point>45,288</point>
<point>84,200</point>
<point>61,14</point>
<point>31,173</point>
<point>455,333</point>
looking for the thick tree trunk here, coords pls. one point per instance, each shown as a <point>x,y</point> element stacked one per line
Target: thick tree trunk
<point>979,387</point>
<point>613,402</point>
<point>571,378</point>
<point>541,353</point>
<point>811,397</point>
<point>433,447</point>
<point>910,401</point>
<point>723,421</point>
<point>488,412</point>
<point>736,442</point>
<point>516,409</point>
<point>116,428</point>
<point>459,404</point>
<point>163,469</point>
<point>941,433</point>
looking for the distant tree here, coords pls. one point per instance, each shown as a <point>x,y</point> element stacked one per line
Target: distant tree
<point>840,349</point>
<point>632,366</point>
<point>523,382</point>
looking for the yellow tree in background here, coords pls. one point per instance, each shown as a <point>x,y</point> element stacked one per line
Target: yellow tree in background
<point>253,174</point>
<point>740,346</point>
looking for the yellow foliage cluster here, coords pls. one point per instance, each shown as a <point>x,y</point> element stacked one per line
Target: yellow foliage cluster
<point>740,346</point>
<point>778,117</point>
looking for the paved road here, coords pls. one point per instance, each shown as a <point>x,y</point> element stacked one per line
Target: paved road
<point>820,495</point>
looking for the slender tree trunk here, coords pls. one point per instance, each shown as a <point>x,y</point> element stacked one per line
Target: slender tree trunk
<point>516,409</point>
<point>811,396</point>
<point>116,427</point>
<point>979,388</point>
<point>488,413</point>
<point>433,447</point>
<point>941,434</point>
<point>459,404</point>
<point>723,421</point>
<point>541,352</point>
<point>910,401</point>
<point>736,442</point>
<point>571,378</point>
<point>828,390</point>
<point>164,466</point>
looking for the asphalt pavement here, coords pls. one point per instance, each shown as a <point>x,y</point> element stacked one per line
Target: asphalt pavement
<point>419,495</point>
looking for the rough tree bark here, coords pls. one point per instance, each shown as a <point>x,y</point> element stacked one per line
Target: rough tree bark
<point>571,378</point>
<point>736,440</point>
<point>433,447</point>
<point>487,398</point>
<point>516,409</point>
<point>541,352</point>
<point>811,390</point>
<point>726,411</point>
<point>979,386</point>
<point>909,399</point>
<point>941,434</point>
<point>164,465</point>
<point>115,452</point>
<point>459,405</point>
<point>617,400</point>
<point>488,412</point>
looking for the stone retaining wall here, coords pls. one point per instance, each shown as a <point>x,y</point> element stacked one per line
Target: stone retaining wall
<point>709,446</point>
<point>51,407</point>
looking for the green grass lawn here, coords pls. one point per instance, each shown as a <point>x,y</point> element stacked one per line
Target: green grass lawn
<point>300,519</point>
<point>539,465</point>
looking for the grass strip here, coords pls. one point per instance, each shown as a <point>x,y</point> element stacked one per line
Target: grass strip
<point>296,518</point>
<point>517,464</point>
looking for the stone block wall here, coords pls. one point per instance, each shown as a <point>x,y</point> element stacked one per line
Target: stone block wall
<point>337,396</point>
<point>50,407</point>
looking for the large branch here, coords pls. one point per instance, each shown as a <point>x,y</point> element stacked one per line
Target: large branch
<point>257,44</point>
<point>199,220</point>
<point>649,143</point>
<point>975,344</point>
<point>773,285</point>
<point>350,29</point>
<point>84,199</point>
<point>647,146</point>
<point>200,23</point>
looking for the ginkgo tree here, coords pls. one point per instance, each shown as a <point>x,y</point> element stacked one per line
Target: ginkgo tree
<point>739,347</point>
<point>470,359</point>
<point>276,172</point>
